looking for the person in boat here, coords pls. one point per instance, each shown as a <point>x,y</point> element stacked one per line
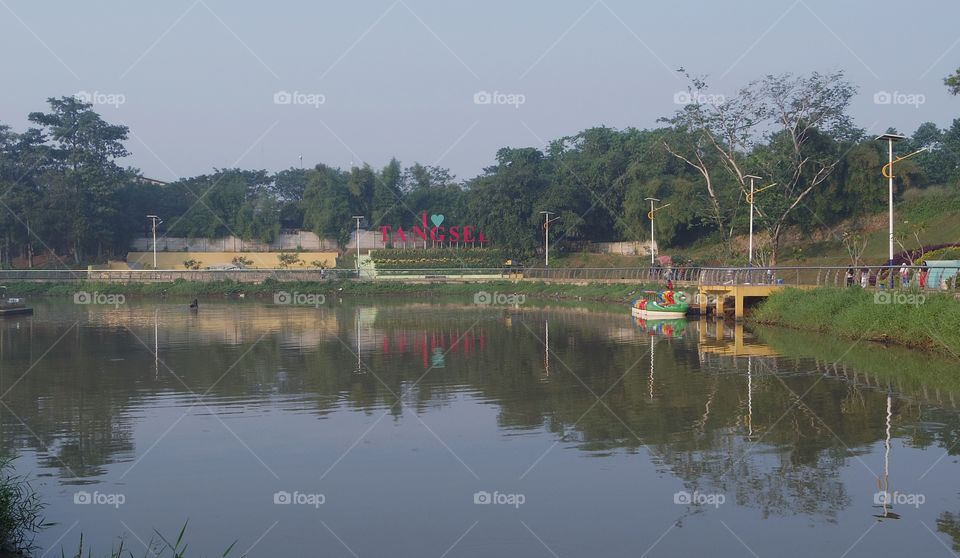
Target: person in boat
<point>194,306</point>
<point>668,297</point>
<point>669,284</point>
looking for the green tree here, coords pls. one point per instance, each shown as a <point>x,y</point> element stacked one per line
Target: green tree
<point>85,148</point>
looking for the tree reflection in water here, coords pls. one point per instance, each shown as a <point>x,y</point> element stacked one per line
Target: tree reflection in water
<point>720,413</point>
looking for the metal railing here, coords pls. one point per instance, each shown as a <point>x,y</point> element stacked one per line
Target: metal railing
<point>838,276</point>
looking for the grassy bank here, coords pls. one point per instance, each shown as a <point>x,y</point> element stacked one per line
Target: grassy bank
<point>930,321</point>
<point>220,289</point>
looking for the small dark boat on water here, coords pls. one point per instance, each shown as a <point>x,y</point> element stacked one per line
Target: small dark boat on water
<point>13,306</point>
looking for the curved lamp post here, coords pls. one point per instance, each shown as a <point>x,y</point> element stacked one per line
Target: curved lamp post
<point>650,215</point>
<point>750,201</point>
<point>887,172</point>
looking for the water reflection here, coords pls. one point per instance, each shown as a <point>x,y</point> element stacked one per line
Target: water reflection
<point>716,407</point>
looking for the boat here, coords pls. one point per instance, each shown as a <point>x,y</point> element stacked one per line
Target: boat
<point>660,305</point>
<point>13,306</point>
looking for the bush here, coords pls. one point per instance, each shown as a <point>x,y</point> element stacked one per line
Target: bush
<point>436,258</point>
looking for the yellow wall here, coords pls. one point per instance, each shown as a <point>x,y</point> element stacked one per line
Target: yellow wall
<point>261,260</point>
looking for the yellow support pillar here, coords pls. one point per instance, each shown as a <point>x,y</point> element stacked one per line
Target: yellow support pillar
<point>702,299</point>
<point>738,305</point>
<point>719,306</point>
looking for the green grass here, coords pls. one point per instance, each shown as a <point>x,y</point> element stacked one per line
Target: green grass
<point>932,323</point>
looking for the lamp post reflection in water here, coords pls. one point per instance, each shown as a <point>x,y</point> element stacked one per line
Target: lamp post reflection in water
<point>546,350</point>
<point>359,368</point>
<point>883,484</point>
<point>156,343</point>
<point>750,395</point>
<point>650,385</point>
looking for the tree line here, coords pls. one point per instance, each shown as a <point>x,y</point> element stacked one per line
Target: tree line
<point>63,190</point>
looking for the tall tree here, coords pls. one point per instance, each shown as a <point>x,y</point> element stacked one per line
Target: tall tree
<point>85,147</point>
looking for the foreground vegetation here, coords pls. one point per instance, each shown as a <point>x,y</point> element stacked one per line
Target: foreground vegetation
<point>928,321</point>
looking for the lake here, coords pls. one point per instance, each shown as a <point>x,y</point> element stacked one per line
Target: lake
<point>441,428</point>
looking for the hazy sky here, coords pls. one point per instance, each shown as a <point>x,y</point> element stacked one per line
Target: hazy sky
<point>196,80</point>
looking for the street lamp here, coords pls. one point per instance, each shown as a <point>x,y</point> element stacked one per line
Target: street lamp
<point>890,138</point>
<point>887,172</point>
<point>358,218</point>
<point>155,221</point>
<point>546,236</point>
<point>650,216</point>
<point>750,201</point>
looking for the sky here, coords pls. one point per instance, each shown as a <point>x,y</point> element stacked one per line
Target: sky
<point>206,84</point>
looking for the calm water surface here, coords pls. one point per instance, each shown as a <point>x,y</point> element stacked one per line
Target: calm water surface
<point>423,429</point>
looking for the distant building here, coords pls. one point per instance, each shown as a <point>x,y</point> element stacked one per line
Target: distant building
<point>153,181</point>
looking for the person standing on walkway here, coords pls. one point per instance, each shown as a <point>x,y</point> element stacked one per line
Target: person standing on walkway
<point>904,276</point>
<point>923,276</point>
<point>882,277</point>
<point>864,278</point>
<point>849,277</point>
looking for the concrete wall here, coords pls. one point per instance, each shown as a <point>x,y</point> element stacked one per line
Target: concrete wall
<point>306,240</point>
<point>261,260</point>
